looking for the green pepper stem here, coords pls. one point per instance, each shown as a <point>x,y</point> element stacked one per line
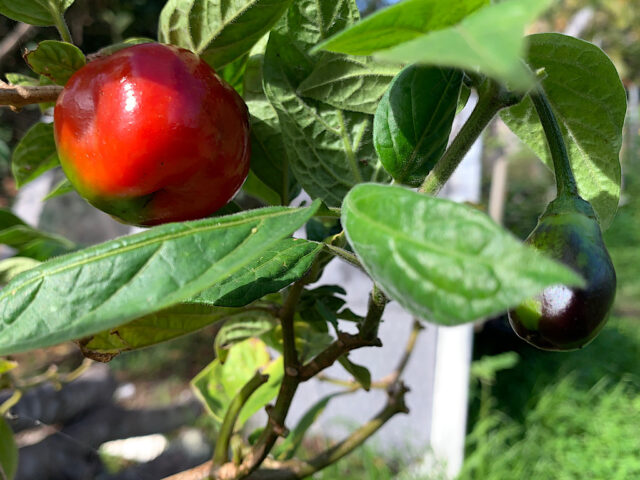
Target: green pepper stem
<point>565,180</point>
<point>491,99</point>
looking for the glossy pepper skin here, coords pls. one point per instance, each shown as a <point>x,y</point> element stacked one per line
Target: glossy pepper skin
<point>152,135</point>
<point>568,318</point>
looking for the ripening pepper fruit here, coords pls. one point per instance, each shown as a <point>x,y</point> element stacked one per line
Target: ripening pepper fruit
<point>562,317</point>
<point>150,134</point>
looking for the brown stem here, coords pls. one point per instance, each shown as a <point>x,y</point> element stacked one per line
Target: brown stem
<point>344,344</point>
<point>18,96</point>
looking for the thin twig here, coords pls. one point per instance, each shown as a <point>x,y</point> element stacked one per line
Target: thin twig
<point>18,96</point>
<point>20,33</point>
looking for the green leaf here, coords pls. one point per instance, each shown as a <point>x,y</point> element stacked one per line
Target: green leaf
<point>110,284</point>
<point>21,79</point>
<point>55,60</point>
<point>589,100</point>
<point>126,43</point>
<point>329,150</point>
<point>219,31</point>
<point>244,325</point>
<point>359,373</point>
<point>218,383</point>
<point>35,12</point>
<point>8,451</point>
<point>29,241</point>
<point>489,41</point>
<point>233,73</point>
<point>287,449</point>
<point>414,119</point>
<point>11,267</point>
<point>35,154</point>
<point>60,189</point>
<point>269,160</point>
<point>442,261</point>
<point>7,365</point>
<point>173,322</point>
<point>278,265</point>
<point>256,188</point>
<point>347,83</point>
<point>398,24</point>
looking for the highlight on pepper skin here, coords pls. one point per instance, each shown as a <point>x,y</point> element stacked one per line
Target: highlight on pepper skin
<point>151,134</point>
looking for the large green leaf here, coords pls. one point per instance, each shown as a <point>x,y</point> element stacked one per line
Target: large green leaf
<point>413,122</point>
<point>400,23</point>
<point>108,285</point>
<point>8,452</point>
<point>55,60</point>
<point>35,154</point>
<point>349,83</point>
<point>152,329</point>
<point>278,266</point>
<point>329,150</point>
<point>218,383</point>
<point>269,161</point>
<point>218,30</point>
<point>34,12</point>
<point>444,262</point>
<point>489,40</point>
<point>589,100</point>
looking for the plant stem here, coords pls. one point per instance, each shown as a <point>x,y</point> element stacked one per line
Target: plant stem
<point>491,99</point>
<point>18,96</point>
<point>62,26</point>
<point>565,180</point>
<point>344,254</point>
<point>221,453</point>
<point>395,405</point>
<point>377,303</point>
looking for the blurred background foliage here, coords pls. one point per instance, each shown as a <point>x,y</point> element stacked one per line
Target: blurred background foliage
<point>532,414</point>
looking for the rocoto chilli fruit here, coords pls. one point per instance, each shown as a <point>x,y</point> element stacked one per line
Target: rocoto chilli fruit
<point>150,134</point>
<point>562,317</point>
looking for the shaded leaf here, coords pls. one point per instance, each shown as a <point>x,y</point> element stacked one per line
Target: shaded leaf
<point>11,267</point>
<point>34,12</point>
<point>589,101</point>
<point>8,451</point>
<point>219,31</point>
<point>35,154</point>
<point>244,325</point>
<point>55,60</point>
<point>360,374</point>
<point>62,188</point>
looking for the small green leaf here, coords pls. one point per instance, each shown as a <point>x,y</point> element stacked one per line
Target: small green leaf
<point>7,365</point>
<point>173,322</point>
<point>233,73</point>
<point>108,285</point>
<point>278,266</point>
<point>55,60</point>
<point>219,31</point>
<point>244,325</point>
<point>35,12</point>
<point>60,189</point>
<point>29,241</point>
<point>256,188</point>
<point>398,24</point>
<point>348,83</point>
<point>126,43</point>
<point>589,101</point>
<point>489,40</point>
<point>8,452</point>
<point>413,122</point>
<point>21,79</point>
<point>442,261</point>
<point>359,373</point>
<point>217,384</point>
<point>287,449</point>
<point>11,267</point>
<point>35,154</point>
